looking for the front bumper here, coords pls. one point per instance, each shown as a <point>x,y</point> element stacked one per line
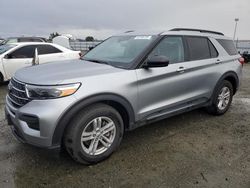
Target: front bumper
<point>46,114</point>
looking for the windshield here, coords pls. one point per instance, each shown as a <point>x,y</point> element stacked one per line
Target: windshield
<point>119,51</point>
<point>10,41</point>
<point>1,41</point>
<point>5,48</point>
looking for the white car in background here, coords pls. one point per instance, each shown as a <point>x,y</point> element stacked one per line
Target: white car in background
<point>18,55</point>
<point>1,41</point>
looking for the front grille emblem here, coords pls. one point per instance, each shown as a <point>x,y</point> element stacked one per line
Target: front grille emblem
<point>10,87</point>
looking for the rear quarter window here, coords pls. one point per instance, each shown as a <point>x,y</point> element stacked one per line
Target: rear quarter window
<point>228,45</point>
<point>213,52</point>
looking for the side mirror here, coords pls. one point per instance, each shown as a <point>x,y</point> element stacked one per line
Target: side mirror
<point>35,60</point>
<point>157,61</point>
<point>91,48</point>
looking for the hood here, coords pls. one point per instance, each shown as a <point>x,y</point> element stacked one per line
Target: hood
<point>59,72</point>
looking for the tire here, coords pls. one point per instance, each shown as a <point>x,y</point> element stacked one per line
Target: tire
<point>218,107</point>
<point>84,137</point>
<point>1,79</point>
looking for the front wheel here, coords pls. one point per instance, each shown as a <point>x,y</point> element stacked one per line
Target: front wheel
<point>94,134</point>
<point>222,98</point>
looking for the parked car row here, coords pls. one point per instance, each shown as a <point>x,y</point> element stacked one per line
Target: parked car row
<point>125,82</point>
<point>246,56</point>
<point>22,39</point>
<point>18,55</point>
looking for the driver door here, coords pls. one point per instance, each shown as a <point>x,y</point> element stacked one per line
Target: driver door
<point>164,90</point>
<point>21,57</point>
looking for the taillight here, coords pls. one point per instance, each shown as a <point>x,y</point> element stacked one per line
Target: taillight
<point>242,61</point>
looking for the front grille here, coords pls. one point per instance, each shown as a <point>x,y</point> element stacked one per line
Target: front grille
<point>16,94</point>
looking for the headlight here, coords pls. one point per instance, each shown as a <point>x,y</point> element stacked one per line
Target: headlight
<point>51,92</point>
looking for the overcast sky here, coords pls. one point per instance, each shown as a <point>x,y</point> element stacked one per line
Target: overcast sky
<point>102,18</point>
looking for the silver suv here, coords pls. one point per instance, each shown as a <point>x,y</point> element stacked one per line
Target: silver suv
<point>127,81</point>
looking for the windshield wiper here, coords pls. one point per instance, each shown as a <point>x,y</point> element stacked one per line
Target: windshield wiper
<point>97,61</point>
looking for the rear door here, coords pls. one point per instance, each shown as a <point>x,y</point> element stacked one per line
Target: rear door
<point>49,53</point>
<point>202,66</point>
<point>19,58</point>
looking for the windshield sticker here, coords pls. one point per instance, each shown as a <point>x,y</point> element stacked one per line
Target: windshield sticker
<point>143,37</point>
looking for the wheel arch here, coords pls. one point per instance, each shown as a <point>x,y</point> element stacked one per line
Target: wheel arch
<point>119,103</point>
<point>232,78</point>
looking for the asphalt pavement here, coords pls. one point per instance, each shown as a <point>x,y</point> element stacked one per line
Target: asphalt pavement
<point>189,150</point>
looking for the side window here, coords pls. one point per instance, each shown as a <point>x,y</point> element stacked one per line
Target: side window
<point>213,52</point>
<point>229,46</point>
<point>172,48</point>
<point>24,40</point>
<point>9,41</point>
<point>23,52</point>
<point>47,49</point>
<point>198,48</point>
<point>37,40</point>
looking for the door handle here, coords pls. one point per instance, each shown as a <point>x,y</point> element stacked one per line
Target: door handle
<point>218,61</point>
<point>181,70</point>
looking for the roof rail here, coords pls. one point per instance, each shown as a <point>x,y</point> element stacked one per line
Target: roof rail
<point>199,30</point>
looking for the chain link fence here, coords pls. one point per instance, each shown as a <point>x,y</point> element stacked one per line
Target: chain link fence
<point>83,46</point>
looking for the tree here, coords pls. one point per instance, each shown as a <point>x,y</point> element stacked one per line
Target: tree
<point>53,35</point>
<point>89,38</point>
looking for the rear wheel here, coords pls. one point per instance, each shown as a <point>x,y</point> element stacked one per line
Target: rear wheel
<point>222,98</point>
<point>94,134</point>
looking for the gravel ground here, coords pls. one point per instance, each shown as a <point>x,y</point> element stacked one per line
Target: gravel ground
<point>190,150</point>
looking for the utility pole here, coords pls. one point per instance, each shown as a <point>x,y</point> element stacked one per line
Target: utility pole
<point>235,29</point>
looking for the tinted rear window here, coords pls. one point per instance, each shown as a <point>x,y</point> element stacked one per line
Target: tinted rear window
<point>198,48</point>
<point>30,40</point>
<point>37,40</point>
<point>47,49</point>
<point>24,40</point>
<point>229,46</point>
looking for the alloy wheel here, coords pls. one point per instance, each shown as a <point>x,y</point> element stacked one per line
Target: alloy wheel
<point>98,135</point>
<point>223,98</point>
